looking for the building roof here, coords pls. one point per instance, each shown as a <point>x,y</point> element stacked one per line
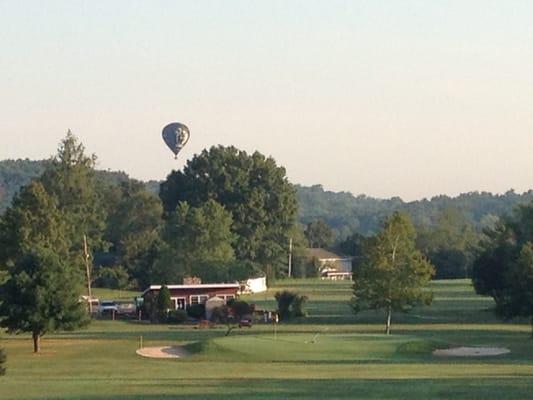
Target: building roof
<point>199,286</point>
<point>323,254</point>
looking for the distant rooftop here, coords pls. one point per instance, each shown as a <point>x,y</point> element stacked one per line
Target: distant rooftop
<point>324,254</point>
<point>199,286</point>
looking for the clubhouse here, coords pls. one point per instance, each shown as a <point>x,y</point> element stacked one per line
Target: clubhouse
<point>188,294</point>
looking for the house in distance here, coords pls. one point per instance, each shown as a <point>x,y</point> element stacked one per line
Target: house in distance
<point>331,265</point>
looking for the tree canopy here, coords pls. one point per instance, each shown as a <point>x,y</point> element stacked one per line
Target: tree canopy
<point>450,244</point>
<point>198,239</point>
<point>133,224</point>
<point>318,234</point>
<point>503,268</point>
<point>33,219</point>
<point>253,188</point>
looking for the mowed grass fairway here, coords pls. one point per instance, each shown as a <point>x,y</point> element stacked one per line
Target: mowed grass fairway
<point>331,354</point>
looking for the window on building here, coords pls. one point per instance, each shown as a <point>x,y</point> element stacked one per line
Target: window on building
<point>178,303</point>
<point>199,299</point>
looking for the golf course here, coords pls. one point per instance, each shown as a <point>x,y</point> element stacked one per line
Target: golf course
<point>332,353</point>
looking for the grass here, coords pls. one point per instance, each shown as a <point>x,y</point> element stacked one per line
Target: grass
<point>114,294</point>
<point>331,354</point>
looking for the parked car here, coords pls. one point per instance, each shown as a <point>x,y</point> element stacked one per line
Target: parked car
<point>127,310</point>
<point>246,321</point>
<point>107,307</point>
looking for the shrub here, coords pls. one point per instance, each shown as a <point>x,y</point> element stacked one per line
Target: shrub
<point>177,316</point>
<point>239,308</point>
<point>290,304</point>
<point>196,311</point>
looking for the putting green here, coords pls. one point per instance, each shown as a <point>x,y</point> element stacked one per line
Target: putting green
<point>317,347</point>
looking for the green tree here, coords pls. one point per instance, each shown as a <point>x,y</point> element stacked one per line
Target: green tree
<point>132,226</point>
<point>114,277</point>
<point>353,245</point>
<point>33,219</point>
<point>290,304</point>
<point>252,188</point>
<point>70,178</point>
<point>503,268</point>
<point>41,296</point>
<point>318,234</point>
<point>450,244</point>
<point>199,238</point>
<point>163,302</point>
<point>518,298</point>
<point>15,174</point>
<point>300,257</point>
<point>394,274</point>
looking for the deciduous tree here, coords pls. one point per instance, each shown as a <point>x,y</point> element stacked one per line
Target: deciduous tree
<point>132,228</point>
<point>318,234</point>
<point>199,236</point>
<point>394,274</point>
<point>253,188</point>
<point>290,304</point>
<point>503,268</point>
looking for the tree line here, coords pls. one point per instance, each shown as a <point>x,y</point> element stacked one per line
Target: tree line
<point>226,208</point>
<point>448,229</point>
<point>227,216</point>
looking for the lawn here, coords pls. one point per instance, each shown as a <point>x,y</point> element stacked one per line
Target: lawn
<point>331,354</point>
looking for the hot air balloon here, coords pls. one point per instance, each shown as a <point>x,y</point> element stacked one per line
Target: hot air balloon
<point>176,136</point>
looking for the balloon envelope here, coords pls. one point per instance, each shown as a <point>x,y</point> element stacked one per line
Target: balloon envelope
<point>176,136</point>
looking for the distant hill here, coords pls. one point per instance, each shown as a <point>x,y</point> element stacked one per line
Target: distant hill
<point>347,213</point>
<point>343,211</point>
<point>13,175</point>
<point>16,173</point>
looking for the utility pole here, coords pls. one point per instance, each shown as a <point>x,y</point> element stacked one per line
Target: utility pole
<point>290,257</point>
<point>88,271</point>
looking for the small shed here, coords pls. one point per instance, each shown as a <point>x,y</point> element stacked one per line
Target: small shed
<point>211,304</point>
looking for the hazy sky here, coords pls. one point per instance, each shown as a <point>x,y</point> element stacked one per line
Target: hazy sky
<point>386,98</point>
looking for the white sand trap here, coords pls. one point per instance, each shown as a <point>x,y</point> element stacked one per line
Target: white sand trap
<point>163,352</point>
<point>472,352</point>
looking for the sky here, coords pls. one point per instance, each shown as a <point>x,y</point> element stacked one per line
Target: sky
<point>383,98</point>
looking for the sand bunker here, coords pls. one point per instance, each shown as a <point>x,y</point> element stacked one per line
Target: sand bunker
<point>163,352</point>
<point>471,351</point>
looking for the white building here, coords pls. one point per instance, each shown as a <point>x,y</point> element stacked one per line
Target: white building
<point>331,265</point>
